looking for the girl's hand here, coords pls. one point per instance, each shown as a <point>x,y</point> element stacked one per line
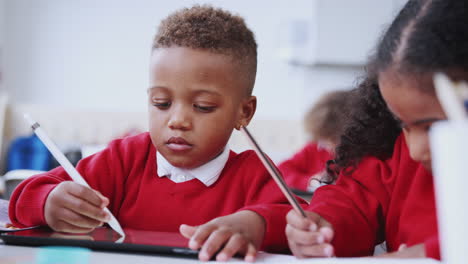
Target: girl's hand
<point>315,181</point>
<point>73,208</point>
<point>241,232</point>
<point>309,237</point>
<point>416,251</point>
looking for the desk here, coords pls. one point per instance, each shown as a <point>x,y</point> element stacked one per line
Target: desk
<point>22,255</point>
<point>17,254</point>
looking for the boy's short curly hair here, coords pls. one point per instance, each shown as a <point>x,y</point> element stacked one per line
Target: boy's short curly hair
<point>214,30</point>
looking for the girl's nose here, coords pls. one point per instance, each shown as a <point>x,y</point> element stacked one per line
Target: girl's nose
<point>419,147</point>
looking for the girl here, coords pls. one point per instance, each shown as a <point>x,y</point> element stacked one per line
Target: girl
<point>385,192</point>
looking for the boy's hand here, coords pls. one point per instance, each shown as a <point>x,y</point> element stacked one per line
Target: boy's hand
<point>71,207</point>
<point>241,232</point>
<point>309,237</point>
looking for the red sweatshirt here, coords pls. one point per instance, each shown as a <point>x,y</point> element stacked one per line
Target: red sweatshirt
<point>390,200</point>
<point>126,173</point>
<point>304,164</point>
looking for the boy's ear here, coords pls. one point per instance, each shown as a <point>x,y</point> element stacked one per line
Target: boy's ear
<point>247,110</point>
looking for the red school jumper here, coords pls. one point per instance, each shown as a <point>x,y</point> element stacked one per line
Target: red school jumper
<point>390,201</point>
<point>126,173</point>
<point>309,161</point>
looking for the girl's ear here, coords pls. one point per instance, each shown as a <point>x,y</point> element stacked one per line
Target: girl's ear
<point>247,110</point>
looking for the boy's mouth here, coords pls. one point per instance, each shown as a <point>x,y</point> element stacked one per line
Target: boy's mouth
<point>178,144</point>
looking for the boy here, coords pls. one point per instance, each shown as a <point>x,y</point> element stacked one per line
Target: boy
<point>181,174</point>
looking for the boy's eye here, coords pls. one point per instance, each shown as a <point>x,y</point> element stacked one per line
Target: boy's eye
<point>162,104</point>
<point>204,108</point>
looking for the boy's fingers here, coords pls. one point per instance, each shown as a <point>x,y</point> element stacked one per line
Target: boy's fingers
<point>304,237</point>
<point>296,220</point>
<point>85,208</point>
<point>251,253</point>
<point>63,226</point>
<point>85,193</point>
<point>187,231</point>
<point>321,250</point>
<point>234,245</point>
<point>201,234</point>
<point>104,199</point>
<point>78,220</point>
<point>214,242</point>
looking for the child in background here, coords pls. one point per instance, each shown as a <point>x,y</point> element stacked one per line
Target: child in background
<point>386,190</point>
<point>181,176</point>
<point>306,170</point>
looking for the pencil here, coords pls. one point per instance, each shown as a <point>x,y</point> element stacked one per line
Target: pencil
<point>274,172</point>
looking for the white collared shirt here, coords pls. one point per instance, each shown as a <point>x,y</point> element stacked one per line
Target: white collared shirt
<point>207,173</point>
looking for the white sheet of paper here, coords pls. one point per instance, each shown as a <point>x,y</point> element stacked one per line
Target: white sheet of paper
<point>448,151</point>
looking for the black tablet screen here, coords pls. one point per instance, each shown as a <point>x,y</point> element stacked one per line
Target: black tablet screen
<point>104,239</point>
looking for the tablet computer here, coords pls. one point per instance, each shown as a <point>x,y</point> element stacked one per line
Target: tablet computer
<point>105,239</point>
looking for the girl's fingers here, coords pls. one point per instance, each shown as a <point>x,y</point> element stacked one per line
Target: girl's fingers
<point>327,233</point>
<point>296,220</point>
<point>235,244</point>
<point>295,250</point>
<point>321,250</point>
<point>302,237</point>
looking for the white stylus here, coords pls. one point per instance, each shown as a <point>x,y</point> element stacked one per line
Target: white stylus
<point>68,167</point>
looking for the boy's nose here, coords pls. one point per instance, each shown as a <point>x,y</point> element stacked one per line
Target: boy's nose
<point>179,120</point>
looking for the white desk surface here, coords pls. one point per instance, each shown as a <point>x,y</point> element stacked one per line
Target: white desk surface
<point>20,255</point>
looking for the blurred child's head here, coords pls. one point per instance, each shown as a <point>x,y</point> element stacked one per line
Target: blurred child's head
<point>325,120</point>
<point>427,36</point>
<point>202,72</point>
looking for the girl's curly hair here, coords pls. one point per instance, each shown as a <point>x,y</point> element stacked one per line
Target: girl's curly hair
<point>370,129</point>
<point>426,36</point>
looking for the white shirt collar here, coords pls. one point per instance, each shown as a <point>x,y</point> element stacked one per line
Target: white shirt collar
<point>207,173</point>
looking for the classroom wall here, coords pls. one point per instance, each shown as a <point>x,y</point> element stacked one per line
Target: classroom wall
<point>2,39</point>
<point>2,20</point>
<point>94,54</point>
